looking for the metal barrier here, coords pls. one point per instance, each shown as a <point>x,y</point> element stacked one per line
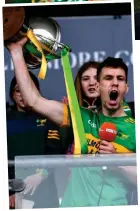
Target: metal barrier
<point>60,167</point>
<point>54,161</point>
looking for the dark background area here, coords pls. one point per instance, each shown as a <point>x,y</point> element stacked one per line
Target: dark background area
<point>79,10</point>
<point>137,19</point>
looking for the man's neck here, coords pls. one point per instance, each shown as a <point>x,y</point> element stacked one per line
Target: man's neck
<point>114,113</point>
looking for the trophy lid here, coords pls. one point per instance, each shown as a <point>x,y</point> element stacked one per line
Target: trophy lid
<point>13,18</point>
<point>46,30</point>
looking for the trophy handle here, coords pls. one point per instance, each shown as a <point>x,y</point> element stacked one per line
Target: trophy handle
<point>46,46</point>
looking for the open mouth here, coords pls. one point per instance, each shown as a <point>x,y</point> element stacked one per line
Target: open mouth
<point>113,96</point>
<point>21,100</point>
<point>91,89</point>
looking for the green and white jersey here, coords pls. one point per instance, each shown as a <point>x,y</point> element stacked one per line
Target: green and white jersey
<point>125,139</point>
<point>91,186</point>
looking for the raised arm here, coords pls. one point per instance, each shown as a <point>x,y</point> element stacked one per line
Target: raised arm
<point>53,110</point>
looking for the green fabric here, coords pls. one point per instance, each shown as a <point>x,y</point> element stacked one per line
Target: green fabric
<point>127,109</point>
<point>86,184</point>
<point>125,126</point>
<point>32,49</point>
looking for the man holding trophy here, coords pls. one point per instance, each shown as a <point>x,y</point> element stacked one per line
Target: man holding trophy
<point>87,186</point>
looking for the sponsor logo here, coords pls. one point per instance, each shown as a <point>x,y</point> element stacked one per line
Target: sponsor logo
<point>111,131</point>
<point>41,122</point>
<point>92,124</point>
<point>122,135</point>
<point>93,144</point>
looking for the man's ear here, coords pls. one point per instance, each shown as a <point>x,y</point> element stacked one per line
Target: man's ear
<point>127,88</point>
<point>97,87</point>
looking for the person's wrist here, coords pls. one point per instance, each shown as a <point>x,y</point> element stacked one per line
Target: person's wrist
<point>16,52</point>
<point>42,172</point>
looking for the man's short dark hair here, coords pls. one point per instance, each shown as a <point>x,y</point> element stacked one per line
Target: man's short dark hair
<point>114,63</point>
<point>14,83</point>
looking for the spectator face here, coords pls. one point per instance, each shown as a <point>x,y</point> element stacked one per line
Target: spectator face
<point>89,83</point>
<point>18,99</point>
